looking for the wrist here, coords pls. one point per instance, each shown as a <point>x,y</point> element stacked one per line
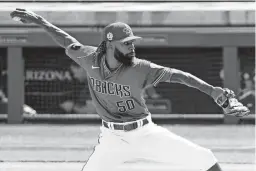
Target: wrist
<point>212,92</point>
<point>207,89</point>
<point>216,92</point>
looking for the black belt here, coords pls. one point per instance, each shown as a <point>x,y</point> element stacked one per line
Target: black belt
<point>126,127</point>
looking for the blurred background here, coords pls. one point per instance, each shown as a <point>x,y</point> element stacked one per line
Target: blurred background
<point>215,42</point>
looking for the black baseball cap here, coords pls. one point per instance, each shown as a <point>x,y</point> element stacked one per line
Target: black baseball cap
<point>118,31</point>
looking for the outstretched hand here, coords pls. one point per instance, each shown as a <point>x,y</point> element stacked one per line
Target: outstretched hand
<point>25,16</point>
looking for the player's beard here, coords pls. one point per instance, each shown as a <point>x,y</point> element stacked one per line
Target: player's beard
<point>125,59</point>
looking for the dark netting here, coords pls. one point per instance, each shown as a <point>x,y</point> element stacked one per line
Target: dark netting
<point>54,83</point>
<point>3,81</point>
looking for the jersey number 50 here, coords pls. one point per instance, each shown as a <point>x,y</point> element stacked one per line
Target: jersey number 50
<point>123,106</point>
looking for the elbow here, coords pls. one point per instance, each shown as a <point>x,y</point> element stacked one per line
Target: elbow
<point>72,46</point>
<point>69,41</point>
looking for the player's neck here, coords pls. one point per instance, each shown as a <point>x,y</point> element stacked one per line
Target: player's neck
<point>111,62</point>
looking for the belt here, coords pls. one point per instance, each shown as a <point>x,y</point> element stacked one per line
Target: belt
<point>126,126</point>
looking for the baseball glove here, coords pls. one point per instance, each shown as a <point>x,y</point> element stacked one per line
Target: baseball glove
<point>230,105</point>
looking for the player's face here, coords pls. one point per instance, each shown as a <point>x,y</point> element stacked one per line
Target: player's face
<point>124,52</point>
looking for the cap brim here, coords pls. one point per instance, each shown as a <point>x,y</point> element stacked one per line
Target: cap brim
<point>130,38</point>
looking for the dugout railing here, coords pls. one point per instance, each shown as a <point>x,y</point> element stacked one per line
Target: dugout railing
<point>227,29</point>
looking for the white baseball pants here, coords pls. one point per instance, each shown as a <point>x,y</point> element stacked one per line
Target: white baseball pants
<point>150,142</point>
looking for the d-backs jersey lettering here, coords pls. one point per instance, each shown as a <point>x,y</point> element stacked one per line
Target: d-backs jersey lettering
<point>117,94</point>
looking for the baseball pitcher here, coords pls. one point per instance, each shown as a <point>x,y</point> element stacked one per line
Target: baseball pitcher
<point>116,80</point>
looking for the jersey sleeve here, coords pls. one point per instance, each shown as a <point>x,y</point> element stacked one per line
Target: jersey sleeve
<point>154,74</point>
<point>80,53</point>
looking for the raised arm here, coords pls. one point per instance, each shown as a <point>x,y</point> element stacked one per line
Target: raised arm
<point>62,38</point>
<point>74,49</point>
<point>59,36</point>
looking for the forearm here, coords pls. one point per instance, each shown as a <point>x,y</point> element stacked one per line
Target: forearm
<point>191,81</point>
<point>62,38</point>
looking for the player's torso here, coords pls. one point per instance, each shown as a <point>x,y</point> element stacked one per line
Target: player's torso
<point>117,94</point>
